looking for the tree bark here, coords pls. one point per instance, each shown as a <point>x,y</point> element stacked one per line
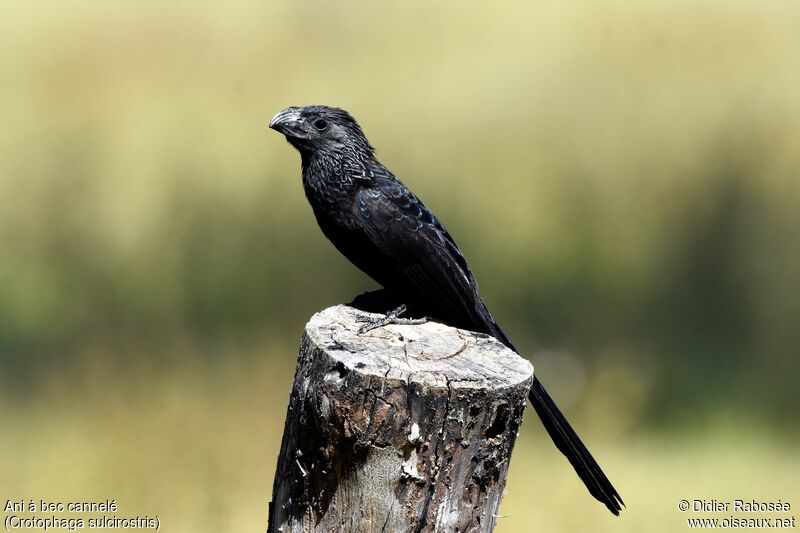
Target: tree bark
<point>403,428</point>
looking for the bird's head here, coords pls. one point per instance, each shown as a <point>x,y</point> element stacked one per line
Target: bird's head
<point>314,129</point>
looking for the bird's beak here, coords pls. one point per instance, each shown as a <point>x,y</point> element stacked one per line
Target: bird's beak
<point>286,121</point>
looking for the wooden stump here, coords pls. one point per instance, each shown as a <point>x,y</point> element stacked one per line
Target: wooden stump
<point>403,428</point>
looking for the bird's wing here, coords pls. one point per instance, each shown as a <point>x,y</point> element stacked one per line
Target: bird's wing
<point>420,253</point>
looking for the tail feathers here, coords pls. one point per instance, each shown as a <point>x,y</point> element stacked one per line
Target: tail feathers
<point>571,446</point>
<point>560,431</point>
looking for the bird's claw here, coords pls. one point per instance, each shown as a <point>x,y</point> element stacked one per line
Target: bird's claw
<point>392,317</point>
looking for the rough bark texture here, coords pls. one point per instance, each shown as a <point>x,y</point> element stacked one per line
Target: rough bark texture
<point>403,428</point>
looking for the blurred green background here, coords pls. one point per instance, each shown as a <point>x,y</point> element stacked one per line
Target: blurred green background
<point>622,176</point>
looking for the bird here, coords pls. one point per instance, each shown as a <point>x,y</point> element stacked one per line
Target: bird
<point>385,230</point>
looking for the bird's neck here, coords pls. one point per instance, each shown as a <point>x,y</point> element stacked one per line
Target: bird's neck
<point>328,179</point>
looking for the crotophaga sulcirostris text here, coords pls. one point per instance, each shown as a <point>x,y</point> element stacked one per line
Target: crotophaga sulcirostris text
<point>385,230</point>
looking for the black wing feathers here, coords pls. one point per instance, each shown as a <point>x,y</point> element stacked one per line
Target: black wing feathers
<point>418,252</point>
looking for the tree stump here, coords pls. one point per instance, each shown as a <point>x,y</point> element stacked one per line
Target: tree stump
<point>402,428</point>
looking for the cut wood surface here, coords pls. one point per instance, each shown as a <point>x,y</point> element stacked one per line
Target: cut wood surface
<point>402,428</point>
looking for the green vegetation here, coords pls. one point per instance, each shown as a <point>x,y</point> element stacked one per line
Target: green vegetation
<point>159,259</point>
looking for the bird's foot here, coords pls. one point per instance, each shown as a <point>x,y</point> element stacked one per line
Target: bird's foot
<point>392,317</point>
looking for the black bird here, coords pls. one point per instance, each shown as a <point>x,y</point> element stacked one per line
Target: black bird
<point>372,218</point>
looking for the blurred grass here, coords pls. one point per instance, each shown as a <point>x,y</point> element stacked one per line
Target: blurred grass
<point>623,178</point>
<point>196,444</point>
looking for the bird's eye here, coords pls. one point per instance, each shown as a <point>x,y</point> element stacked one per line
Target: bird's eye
<point>320,124</point>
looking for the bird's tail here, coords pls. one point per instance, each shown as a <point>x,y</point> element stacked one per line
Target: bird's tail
<point>571,446</point>
<point>564,437</point>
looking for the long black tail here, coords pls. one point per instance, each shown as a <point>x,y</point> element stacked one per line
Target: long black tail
<point>564,437</point>
<point>571,446</point>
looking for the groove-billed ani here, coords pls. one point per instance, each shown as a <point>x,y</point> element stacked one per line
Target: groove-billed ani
<point>385,230</point>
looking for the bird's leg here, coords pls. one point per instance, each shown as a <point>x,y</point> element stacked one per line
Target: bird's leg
<point>392,317</point>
